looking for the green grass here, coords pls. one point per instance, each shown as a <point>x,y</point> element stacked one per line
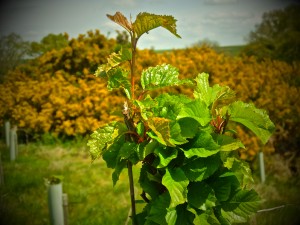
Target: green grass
<point>92,199</point>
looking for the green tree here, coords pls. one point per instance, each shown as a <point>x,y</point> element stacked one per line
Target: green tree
<point>13,51</point>
<point>49,42</point>
<point>190,170</point>
<point>277,36</point>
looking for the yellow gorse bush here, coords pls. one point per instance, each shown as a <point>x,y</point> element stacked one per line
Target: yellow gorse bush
<point>56,92</point>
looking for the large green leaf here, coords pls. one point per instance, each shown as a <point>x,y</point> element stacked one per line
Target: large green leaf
<point>243,203</point>
<point>102,137</point>
<point>206,218</point>
<point>169,105</point>
<point>118,78</point>
<point>228,143</point>
<point>149,186</point>
<point>201,168</point>
<point>161,76</point>
<point>120,165</point>
<point>161,129</point>
<point>158,209</point>
<point>165,154</point>
<point>224,185</point>
<point>146,21</point>
<point>257,120</point>
<point>241,170</point>
<point>196,110</point>
<point>176,182</point>
<point>180,215</point>
<point>114,60</point>
<point>209,94</point>
<point>200,195</point>
<point>188,127</point>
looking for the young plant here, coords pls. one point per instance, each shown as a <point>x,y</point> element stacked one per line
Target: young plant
<point>190,169</point>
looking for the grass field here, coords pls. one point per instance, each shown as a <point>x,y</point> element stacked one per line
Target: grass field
<point>92,199</point>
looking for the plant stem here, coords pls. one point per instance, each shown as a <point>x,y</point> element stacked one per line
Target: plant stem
<point>132,64</point>
<point>131,186</point>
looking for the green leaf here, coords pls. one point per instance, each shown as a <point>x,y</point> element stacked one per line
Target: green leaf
<point>114,60</point>
<point>160,76</point>
<point>165,154</point>
<point>224,186</point>
<point>243,203</point>
<point>206,218</point>
<point>176,182</point>
<point>145,22</point>
<point>146,107</point>
<point>188,127</point>
<point>200,195</point>
<point>102,137</point>
<point>209,94</point>
<point>240,169</point>
<point>199,152</point>
<point>117,78</point>
<point>158,209</point>
<point>257,120</point>
<point>110,156</point>
<point>169,105</point>
<point>180,215</point>
<point>196,110</point>
<point>149,186</point>
<point>129,151</point>
<point>201,168</point>
<point>160,127</point>
<point>228,143</point>
<point>120,165</point>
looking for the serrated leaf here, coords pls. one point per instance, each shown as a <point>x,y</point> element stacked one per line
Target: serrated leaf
<point>176,182</point>
<point>161,76</point>
<point>165,154</point>
<point>228,143</point>
<point>241,170</point>
<point>158,209</point>
<point>118,78</point>
<point>120,19</point>
<point>224,186</point>
<point>175,132</point>
<point>243,203</point>
<point>180,215</point>
<point>160,127</point>
<point>114,60</point>
<point>196,110</point>
<point>208,94</point>
<point>127,149</point>
<point>120,165</point>
<point>200,195</point>
<point>201,168</point>
<point>146,106</point>
<point>188,127</point>
<point>145,22</point>
<point>149,186</point>
<point>206,219</point>
<point>100,138</point>
<point>257,120</point>
<point>110,156</point>
<point>169,105</point>
<point>199,152</point>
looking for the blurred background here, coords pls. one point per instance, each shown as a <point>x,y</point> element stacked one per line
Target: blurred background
<point>49,51</point>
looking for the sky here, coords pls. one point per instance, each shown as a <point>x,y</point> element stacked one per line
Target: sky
<point>227,22</point>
